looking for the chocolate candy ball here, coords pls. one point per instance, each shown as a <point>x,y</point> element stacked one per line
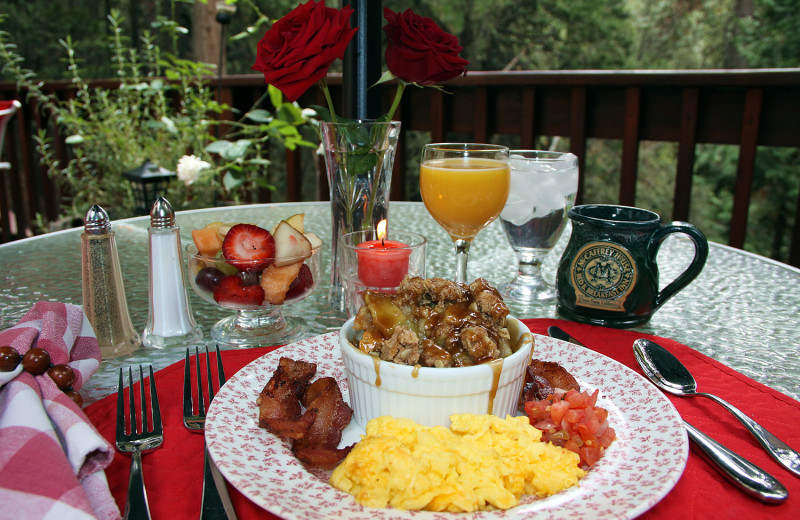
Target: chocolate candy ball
<point>36,361</point>
<point>9,358</point>
<point>62,375</point>
<point>75,396</point>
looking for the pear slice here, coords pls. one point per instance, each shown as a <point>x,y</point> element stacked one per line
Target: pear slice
<point>223,228</point>
<point>314,239</point>
<point>296,221</point>
<point>291,245</point>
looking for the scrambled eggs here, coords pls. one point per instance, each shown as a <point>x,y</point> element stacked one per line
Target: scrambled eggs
<point>480,462</point>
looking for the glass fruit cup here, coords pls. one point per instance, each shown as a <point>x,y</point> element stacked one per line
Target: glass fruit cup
<point>257,290</point>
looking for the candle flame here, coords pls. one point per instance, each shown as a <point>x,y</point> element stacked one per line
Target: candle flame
<point>382,229</point>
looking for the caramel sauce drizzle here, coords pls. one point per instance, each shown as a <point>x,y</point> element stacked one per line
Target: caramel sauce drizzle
<point>376,361</point>
<point>497,368</point>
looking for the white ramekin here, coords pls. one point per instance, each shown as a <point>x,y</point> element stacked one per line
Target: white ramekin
<point>430,395</point>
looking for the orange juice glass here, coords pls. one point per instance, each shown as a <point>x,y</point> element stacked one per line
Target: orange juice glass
<point>464,187</point>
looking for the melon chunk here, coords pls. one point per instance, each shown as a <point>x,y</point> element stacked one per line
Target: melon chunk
<point>275,280</point>
<point>291,246</point>
<point>207,240</point>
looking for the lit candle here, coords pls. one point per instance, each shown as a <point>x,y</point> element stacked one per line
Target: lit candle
<point>382,263</point>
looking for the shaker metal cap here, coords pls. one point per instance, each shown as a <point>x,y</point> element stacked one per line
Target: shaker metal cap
<point>161,215</point>
<point>96,221</point>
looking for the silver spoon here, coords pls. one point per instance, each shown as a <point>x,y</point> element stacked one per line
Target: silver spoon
<point>741,472</point>
<point>669,374</point>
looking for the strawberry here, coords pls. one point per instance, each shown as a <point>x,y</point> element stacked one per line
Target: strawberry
<point>232,291</point>
<point>248,247</point>
<point>301,284</point>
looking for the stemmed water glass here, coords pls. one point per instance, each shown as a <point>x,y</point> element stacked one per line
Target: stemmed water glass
<point>543,189</point>
<point>464,187</point>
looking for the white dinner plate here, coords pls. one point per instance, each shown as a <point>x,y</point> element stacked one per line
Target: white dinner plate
<point>637,471</point>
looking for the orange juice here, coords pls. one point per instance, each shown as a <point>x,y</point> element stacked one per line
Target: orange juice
<point>463,194</point>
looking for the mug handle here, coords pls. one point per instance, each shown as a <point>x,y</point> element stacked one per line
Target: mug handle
<point>691,272</point>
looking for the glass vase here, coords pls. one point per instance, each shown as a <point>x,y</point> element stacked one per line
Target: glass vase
<point>359,157</point>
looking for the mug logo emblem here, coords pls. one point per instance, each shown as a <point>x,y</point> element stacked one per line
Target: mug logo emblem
<point>603,274</point>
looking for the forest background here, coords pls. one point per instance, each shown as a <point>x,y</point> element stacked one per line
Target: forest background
<point>498,35</point>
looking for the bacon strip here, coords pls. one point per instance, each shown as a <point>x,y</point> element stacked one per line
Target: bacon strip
<point>542,378</point>
<point>317,431</point>
<point>318,446</point>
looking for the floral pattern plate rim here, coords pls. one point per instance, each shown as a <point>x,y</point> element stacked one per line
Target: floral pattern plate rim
<point>637,471</point>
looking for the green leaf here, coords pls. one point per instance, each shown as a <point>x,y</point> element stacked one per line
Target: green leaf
<point>231,182</point>
<point>169,124</point>
<point>242,35</point>
<point>303,142</point>
<point>357,136</point>
<point>288,130</point>
<point>385,78</point>
<point>323,113</point>
<point>218,146</point>
<point>275,96</point>
<point>262,182</point>
<point>291,113</point>
<point>259,115</point>
<point>360,162</point>
<point>74,139</point>
<point>236,150</point>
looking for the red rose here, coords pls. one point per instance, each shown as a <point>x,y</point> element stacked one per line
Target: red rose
<point>419,51</point>
<point>298,49</point>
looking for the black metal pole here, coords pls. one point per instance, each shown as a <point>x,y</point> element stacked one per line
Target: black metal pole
<point>362,61</point>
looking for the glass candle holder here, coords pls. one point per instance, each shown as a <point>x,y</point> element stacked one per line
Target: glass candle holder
<point>367,262</point>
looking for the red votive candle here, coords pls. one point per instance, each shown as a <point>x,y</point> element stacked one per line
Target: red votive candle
<point>382,263</point>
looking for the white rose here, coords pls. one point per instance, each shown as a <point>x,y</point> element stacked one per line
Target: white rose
<point>189,168</point>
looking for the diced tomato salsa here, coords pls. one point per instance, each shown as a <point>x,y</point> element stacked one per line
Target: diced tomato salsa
<point>573,421</point>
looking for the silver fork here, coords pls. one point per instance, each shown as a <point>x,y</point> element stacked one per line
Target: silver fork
<point>138,439</point>
<point>216,502</point>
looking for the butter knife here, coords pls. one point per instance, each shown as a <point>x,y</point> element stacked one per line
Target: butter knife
<point>559,333</point>
<point>741,472</point>
<point>216,505</point>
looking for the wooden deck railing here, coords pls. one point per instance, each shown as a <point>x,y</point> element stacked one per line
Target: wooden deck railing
<point>744,108</point>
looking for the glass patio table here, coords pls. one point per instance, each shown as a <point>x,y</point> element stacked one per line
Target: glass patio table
<point>741,310</point>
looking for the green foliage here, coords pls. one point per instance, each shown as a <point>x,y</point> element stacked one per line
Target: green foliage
<point>163,109</point>
<point>534,35</point>
<point>779,20</point>
<point>34,23</point>
<point>681,34</point>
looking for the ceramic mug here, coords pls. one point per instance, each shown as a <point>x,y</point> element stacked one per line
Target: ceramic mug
<point>608,274</point>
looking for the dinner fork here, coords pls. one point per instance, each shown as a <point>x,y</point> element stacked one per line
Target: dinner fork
<point>216,502</point>
<point>138,441</point>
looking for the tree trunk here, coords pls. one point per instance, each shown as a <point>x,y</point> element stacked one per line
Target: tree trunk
<point>206,44</point>
<point>733,58</point>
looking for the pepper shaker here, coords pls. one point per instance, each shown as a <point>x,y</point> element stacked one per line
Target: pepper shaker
<point>169,317</point>
<point>104,299</point>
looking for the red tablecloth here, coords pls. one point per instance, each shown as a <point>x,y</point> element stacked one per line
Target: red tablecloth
<point>173,472</point>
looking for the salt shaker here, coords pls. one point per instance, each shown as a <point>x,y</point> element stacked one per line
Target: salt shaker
<point>169,317</point>
<point>104,299</point>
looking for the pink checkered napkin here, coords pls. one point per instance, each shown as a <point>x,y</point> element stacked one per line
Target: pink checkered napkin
<point>51,457</point>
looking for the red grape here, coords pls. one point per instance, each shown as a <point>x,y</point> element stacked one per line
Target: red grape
<point>208,278</point>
